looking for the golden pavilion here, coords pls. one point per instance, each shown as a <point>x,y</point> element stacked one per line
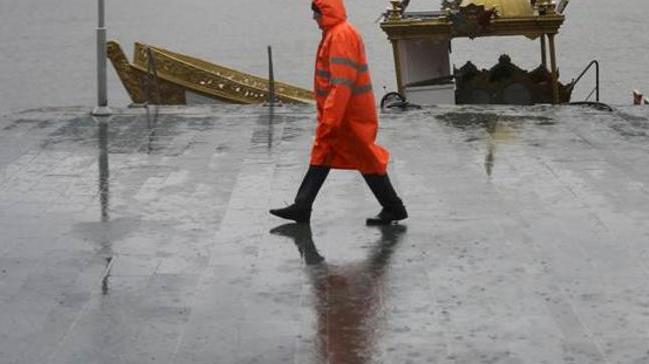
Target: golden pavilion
<point>421,45</point>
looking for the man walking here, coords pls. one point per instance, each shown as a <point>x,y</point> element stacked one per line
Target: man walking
<point>347,120</point>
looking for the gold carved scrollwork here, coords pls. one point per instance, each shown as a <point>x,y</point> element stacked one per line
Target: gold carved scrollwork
<point>170,75</point>
<point>138,83</point>
<point>396,12</point>
<point>472,20</point>
<point>546,7</point>
<point>451,5</point>
<point>129,77</point>
<point>494,86</point>
<point>216,81</point>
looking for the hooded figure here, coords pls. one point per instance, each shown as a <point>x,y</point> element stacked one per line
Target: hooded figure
<point>347,121</point>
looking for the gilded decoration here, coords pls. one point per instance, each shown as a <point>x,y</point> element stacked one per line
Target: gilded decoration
<point>485,18</point>
<point>211,79</point>
<point>396,12</point>
<point>476,18</point>
<point>504,8</point>
<point>129,76</point>
<point>506,83</point>
<point>546,7</point>
<point>141,83</point>
<point>472,20</point>
<point>163,77</point>
<point>451,5</point>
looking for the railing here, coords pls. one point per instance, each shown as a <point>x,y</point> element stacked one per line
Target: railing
<point>596,89</point>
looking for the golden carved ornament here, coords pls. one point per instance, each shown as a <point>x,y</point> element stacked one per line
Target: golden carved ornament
<point>546,7</point>
<point>140,83</point>
<point>396,12</point>
<point>210,79</point>
<point>126,73</point>
<point>168,76</point>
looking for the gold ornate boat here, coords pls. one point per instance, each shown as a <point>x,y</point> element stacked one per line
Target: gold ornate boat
<point>421,44</point>
<point>160,76</point>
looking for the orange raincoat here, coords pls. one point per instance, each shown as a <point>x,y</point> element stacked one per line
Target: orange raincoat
<point>347,119</point>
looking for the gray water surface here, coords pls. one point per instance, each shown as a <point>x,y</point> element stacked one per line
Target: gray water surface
<point>47,48</point>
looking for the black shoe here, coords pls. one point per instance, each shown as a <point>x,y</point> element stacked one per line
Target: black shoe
<point>300,210</point>
<point>393,209</point>
<point>388,216</point>
<point>293,212</point>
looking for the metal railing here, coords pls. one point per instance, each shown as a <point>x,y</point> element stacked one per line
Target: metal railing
<point>596,89</point>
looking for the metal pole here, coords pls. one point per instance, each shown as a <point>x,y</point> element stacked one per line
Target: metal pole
<point>553,66</point>
<point>271,78</point>
<point>102,13</point>
<point>102,99</point>
<point>597,81</point>
<point>397,66</point>
<point>544,58</point>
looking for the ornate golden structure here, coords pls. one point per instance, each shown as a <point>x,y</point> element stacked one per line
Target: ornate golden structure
<point>505,9</point>
<point>479,18</point>
<point>161,76</point>
<point>506,83</point>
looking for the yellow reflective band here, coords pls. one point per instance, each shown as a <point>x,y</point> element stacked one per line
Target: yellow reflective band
<point>323,74</point>
<point>342,81</point>
<point>321,93</point>
<point>357,90</point>
<point>348,62</point>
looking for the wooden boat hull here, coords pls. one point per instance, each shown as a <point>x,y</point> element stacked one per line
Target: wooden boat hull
<point>159,76</point>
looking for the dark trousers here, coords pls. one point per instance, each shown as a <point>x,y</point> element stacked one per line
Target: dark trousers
<point>380,186</point>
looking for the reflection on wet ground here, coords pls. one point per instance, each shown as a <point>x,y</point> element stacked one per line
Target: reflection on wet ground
<point>499,129</point>
<point>303,239</point>
<point>348,298</point>
<point>145,237</point>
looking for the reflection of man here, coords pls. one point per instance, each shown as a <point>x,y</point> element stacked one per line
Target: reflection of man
<point>347,121</point>
<point>499,133</point>
<point>348,298</point>
<point>303,239</point>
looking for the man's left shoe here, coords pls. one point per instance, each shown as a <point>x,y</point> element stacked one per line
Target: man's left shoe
<point>295,212</point>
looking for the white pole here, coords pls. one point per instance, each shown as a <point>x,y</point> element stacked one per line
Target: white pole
<point>102,108</point>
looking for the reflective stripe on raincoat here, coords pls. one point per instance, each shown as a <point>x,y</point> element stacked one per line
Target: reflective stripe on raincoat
<point>347,119</point>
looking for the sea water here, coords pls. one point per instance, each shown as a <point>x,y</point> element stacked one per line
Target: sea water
<point>48,48</point>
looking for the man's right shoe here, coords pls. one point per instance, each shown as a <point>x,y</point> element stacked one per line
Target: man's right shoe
<point>388,216</point>
<point>293,212</point>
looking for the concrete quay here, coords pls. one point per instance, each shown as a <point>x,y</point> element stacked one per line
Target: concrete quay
<point>145,238</point>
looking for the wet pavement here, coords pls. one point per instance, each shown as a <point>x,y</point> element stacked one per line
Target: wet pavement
<point>146,238</point>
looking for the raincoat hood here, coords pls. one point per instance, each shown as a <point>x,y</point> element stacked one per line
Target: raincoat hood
<point>333,12</point>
